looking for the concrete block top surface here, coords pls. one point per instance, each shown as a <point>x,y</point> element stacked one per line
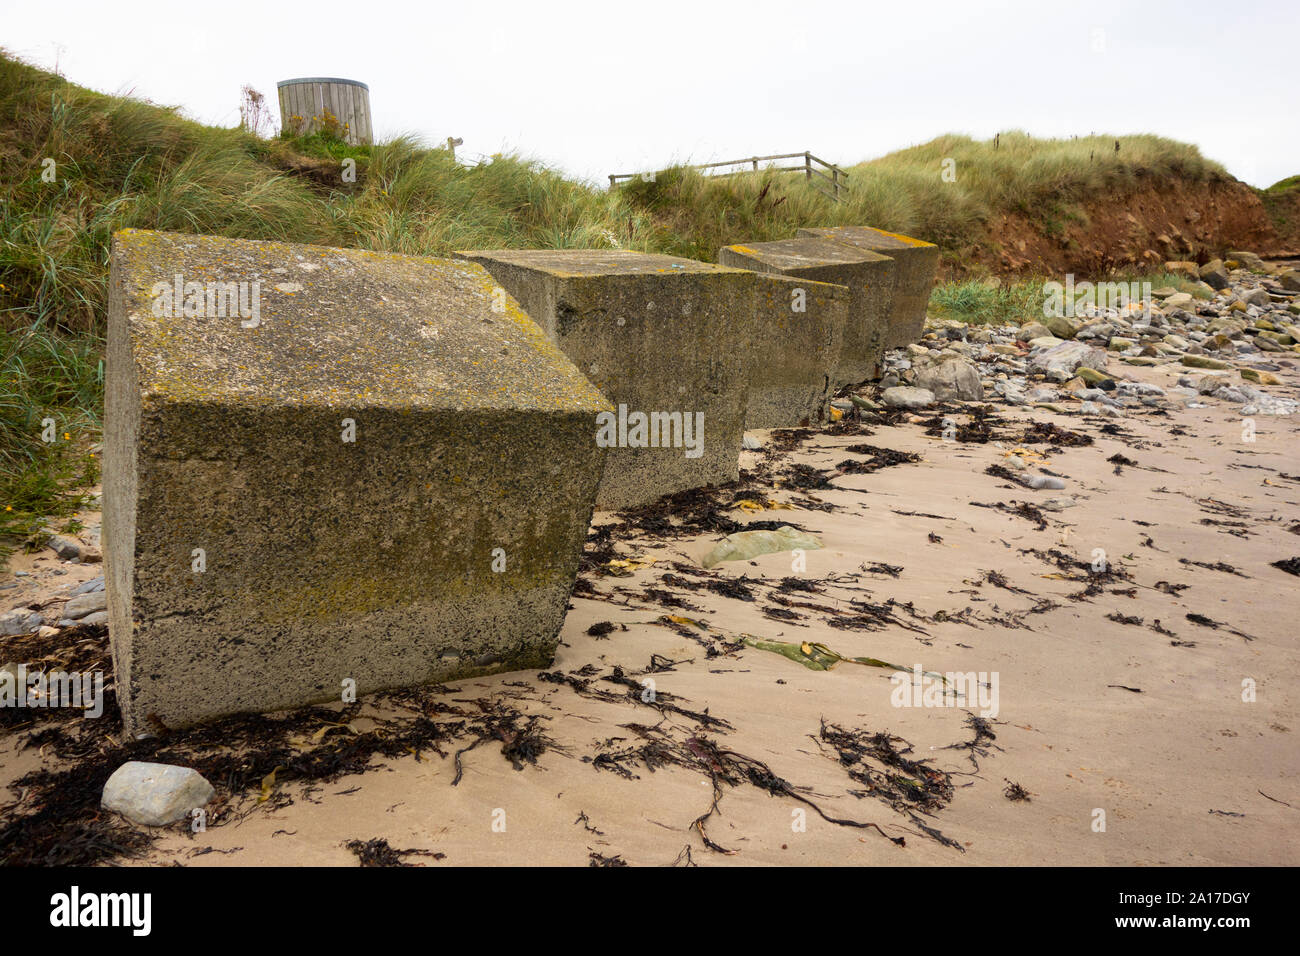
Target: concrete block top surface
<point>788,254</point>
<point>251,323</point>
<point>574,263</point>
<point>770,283</point>
<point>867,237</point>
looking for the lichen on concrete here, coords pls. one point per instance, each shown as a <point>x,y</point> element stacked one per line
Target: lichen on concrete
<point>441,540</point>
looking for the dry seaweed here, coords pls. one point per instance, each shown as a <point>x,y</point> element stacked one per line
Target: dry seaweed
<point>377,852</point>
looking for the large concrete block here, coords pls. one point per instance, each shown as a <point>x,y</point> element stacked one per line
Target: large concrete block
<point>378,471</point>
<point>660,336</point>
<point>867,275</point>
<point>800,336</point>
<point>917,261</point>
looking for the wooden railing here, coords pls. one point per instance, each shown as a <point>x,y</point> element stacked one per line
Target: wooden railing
<point>832,178</point>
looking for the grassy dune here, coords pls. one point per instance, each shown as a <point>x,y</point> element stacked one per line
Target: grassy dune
<point>125,163</point>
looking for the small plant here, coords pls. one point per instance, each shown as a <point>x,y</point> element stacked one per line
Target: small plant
<point>254,115</point>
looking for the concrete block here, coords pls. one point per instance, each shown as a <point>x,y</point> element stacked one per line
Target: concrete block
<point>867,276</point>
<point>667,338</point>
<point>364,468</point>
<point>800,336</point>
<point>916,261</point>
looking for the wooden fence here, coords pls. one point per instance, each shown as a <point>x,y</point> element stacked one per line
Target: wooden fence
<point>830,178</point>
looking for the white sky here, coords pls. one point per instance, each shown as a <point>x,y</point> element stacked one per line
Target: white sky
<point>601,87</point>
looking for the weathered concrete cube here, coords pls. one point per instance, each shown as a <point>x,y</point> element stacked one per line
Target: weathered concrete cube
<point>914,272</point>
<point>665,338</point>
<point>354,469</point>
<point>867,275</point>
<point>800,336</point>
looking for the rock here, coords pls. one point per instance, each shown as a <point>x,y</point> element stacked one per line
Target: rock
<point>1119,344</point>
<point>1164,292</point>
<point>1063,327</point>
<point>1230,394</point>
<point>1140,388</point>
<point>1057,504</point>
<point>1203,361</point>
<point>951,378</point>
<point>65,548</point>
<point>1248,260</point>
<point>1256,297</point>
<point>94,584</point>
<point>87,603</point>
<point>1033,330</point>
<point>1258,377</point>
<point>1181,268</point>
<point>1290,280</point>
<point>1180,300</point>
<point>907,396</point>
<point>155,794</point>
<point>1046,342</point>
<point>1091,375</point>
<point>1209,384</point>
<point>1011,393</point>
<point>1214,274</point>
<point>94,617</point>
<point>19,621</point>
<point>1067,356</point>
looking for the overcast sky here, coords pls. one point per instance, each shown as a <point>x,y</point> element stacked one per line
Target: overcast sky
<point>602,87</point>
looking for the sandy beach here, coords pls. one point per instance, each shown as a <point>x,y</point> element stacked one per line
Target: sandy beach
<point>665,735</point>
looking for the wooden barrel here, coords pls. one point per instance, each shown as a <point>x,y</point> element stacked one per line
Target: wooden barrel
<point>313,103</point>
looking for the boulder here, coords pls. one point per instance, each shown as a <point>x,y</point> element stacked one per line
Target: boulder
<point>1214,274</point>
<point>951,378</point>
<point>1067,357</point>
<point>907,396</point>
<point>1062,326</point>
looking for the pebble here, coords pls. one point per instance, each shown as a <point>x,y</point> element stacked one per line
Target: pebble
<point>1247,326</point>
